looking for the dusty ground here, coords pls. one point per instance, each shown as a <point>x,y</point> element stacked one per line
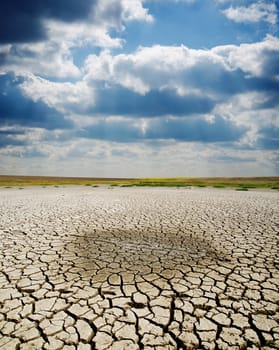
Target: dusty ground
<point>138,268</point>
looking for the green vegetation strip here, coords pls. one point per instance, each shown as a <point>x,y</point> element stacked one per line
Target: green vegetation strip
<point>243,184</point>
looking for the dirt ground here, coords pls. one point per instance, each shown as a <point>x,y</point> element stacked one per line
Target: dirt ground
<point>138,268</point>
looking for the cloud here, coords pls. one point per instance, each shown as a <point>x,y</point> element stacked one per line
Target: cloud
<point>133,10</point>
<point>121,101</point>
<point>257,113</point>
<point>194,130</point>
<point>111,130</point>
<point>164,108</point>
<point>256,12</point>
<point>239,83</point>
<point>183,1</point>
<point>187,1</point>
<point>17,109</point>
<point>185,129</point>
<point>26,21</point>
<point>252,58</point>
<point>226,94</point>
<point>52,59</point>
<point>22,21</point>
<point>222,68</point>
<point>233,159</point>
<point>154,67</point>
<point>269,138</point>
<point>165,158</point>
<point>11,137</point>
<point>40,36</point>
<point>66,97</point>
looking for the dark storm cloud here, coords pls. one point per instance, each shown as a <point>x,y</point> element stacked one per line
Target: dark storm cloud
<point>121,101</point>
<point>16,109</point>
<point>186,129</point>
<point>21,20</point>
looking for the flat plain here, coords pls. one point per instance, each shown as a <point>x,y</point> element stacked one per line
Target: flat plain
<point>138,268</point>
<point>233,182</point>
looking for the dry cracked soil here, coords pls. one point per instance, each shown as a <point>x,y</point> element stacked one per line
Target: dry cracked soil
<point>87,268</point>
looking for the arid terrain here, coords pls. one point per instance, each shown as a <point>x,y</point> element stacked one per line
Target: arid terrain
<point>86,268</point>
<point>236,182</point>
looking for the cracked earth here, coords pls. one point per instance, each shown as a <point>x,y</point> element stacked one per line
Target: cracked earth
<point>138,268</point>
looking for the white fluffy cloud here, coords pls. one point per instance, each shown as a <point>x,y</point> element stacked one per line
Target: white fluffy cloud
<point>160,67</point>
<point>249,110</point>
<point>134,10</point>
<point>58,95</point>
<point>149,68</point>
<point>259,11</point>
<point>50,59</point>
<point>250,58</point>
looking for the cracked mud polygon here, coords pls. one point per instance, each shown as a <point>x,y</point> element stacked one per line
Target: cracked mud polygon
<point>138,268</point>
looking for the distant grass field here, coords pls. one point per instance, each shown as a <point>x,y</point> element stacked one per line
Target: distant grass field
<point>217,182</point>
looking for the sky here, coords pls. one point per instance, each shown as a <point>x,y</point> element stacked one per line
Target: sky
<point>139,88</point>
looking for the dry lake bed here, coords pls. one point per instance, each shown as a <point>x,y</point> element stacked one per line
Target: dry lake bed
<point>138,268</point>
